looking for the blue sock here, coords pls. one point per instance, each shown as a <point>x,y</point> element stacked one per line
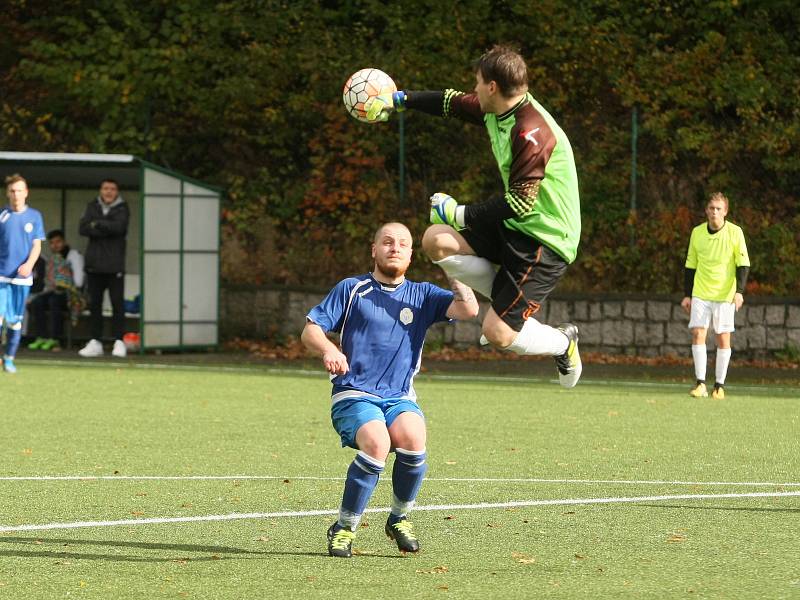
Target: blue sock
<point>409,470</point>
<point>362,477</point>
<point>13,337</point>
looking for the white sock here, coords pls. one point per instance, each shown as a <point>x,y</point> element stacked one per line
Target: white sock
<point>723,359</point>
<point>348,520</point>
<point>536,338</point>
<point>700,361</point>
<point>474,271</point>
<point>399,507</point>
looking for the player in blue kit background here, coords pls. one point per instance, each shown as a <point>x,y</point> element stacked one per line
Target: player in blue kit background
<point>21,236</point>
<point>381,318</point>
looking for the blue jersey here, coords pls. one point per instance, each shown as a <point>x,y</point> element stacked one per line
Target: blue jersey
<point>382,331</point>
<point>18,230</point>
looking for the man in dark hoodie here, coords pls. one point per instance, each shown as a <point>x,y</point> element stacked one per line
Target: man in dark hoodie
<point>105,223</point>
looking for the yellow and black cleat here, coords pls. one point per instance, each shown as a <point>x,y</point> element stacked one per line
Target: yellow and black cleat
<point>340,541</point>
<point>699,391</point>
<point>402,532</point>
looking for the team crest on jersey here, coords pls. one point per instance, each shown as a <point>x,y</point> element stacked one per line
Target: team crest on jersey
<point>28,227</point>
<point>406,316</point>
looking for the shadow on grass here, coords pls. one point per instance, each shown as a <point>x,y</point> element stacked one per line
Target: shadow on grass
<point>729,508</point>
<point>211,553</point>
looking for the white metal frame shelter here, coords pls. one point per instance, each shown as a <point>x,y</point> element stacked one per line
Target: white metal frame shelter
<point>174,235</point>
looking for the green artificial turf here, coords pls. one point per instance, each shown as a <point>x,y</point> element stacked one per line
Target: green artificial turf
<point>594,442</point>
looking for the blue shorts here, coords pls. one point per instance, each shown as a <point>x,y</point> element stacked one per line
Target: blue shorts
<point>349,414</point>
<point>12,302</point>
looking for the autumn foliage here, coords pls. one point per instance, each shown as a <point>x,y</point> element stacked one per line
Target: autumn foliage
<point>247,95</point>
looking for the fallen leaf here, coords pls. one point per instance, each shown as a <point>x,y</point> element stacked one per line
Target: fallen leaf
<point>137,513</point>
<point>28,451</point>
<point>676,538</point>
<point>263,538</point>
<point>140,494</point>
<point>449,462</point>
<point>523,558</point>
<point>580,556</point>
<point>434,571</point>
<point>449,518</point>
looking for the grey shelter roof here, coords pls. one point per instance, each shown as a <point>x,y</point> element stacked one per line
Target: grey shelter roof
<point>77,170</point>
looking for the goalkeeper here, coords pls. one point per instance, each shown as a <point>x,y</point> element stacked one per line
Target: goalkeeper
<point>514,248</point>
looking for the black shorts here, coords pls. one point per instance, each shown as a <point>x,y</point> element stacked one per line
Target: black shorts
<point>529,270</point>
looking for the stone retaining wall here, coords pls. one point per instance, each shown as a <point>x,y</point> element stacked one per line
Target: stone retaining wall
<point>615,324</point>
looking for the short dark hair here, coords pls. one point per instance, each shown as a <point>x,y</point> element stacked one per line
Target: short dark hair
<point>506,67</point>
<point>55,233</point>
<point>114,181</point>
<point>14,178</point>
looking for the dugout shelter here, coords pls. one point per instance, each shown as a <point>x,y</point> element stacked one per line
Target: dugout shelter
<point>172,259</point>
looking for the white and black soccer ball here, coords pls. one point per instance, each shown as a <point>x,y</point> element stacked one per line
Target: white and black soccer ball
<point>362,86</point>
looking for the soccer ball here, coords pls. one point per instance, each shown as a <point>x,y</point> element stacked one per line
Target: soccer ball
<point>362,86</point>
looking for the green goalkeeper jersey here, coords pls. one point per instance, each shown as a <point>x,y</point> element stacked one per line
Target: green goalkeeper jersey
<point>537,167</point>
<point>715,257</point>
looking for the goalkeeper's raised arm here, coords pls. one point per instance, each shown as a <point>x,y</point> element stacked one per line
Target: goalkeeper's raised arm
<point>447,103</point>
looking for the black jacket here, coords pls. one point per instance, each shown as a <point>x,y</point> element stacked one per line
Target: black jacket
<point>105,252</point>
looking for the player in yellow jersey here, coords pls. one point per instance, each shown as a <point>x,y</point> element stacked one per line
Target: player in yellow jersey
<point>716,272</point>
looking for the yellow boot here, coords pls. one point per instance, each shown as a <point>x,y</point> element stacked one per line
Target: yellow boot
<point>699,391</point>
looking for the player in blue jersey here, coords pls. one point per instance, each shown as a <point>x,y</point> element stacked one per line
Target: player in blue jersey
<point>21,236</point>
<point>381,318</point>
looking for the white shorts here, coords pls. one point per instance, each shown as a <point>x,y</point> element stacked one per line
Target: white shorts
<point>705,312</point>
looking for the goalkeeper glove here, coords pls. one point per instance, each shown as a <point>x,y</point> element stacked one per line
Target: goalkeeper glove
<point>378,108</point>
<point>446,211</point>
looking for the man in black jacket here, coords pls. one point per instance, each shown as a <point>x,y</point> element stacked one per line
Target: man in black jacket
<point>105,223</point>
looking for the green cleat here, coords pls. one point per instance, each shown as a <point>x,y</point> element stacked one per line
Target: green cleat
<point>402,532</point>
<point>49,344</point>
<point>340,541</point>
<point>36,344</point>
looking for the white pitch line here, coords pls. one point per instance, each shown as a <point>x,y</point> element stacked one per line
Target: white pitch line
<point>432,507</point>
<point>499,379</point>
<point>427,479</point>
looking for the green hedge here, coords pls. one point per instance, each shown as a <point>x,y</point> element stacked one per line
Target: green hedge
<point>247,95</point>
